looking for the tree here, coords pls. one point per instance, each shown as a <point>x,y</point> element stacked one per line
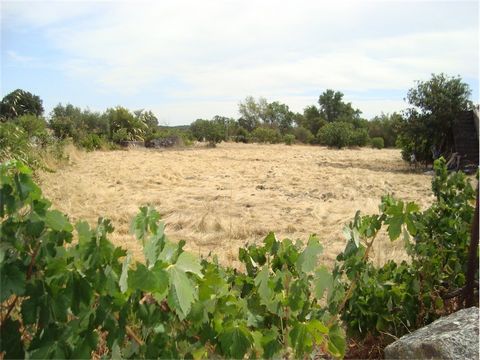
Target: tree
<point>428,123</point>
<point>312,120</point>
<point>212,131</point>
<point>124,125</point>
<point>333,108</point>
<point>385,126</point>
<point>252,112</point>
<point>338,134</point>
<point>71,121</point>
<point>278,116</point>
<point>20,102</point>
<point>147,117</point>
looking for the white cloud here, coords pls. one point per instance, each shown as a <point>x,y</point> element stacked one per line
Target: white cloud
<point>210,50</point>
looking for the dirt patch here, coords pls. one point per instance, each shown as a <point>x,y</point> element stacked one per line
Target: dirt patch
<point>219,199</point>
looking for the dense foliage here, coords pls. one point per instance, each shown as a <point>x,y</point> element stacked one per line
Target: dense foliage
<point>377,142</point>
<point>61,299</point>
<point>66,299</point>
<point>427,126</point>
<point>20,102</point>
<point>399,297</point>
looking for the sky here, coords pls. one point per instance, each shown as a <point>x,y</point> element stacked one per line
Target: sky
<point>186,60</point>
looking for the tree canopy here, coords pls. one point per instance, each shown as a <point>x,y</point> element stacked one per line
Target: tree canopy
<point>20,102</point>
<point>333,108</point>
<point>428,123</point>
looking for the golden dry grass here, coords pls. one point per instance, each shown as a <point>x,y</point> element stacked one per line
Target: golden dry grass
<point>219,199</point>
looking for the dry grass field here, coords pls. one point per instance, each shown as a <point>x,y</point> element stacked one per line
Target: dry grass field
<point>219,199</point>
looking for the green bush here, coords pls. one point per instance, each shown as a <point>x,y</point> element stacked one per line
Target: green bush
<point>289,139</point>
<point>15,145</point>
<point>92,142</point>
<point>397,298</point>
<point>266,135</point>
<point>303,135</point>
<point>377,142</point>
<point>336,134</point>
<point>33,125</point>
<point>359,137</point>
<point>241,135</point>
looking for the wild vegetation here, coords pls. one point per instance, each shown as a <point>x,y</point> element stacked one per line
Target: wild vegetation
<point>68,299</point>
<point>424,130</point>
<point>68,292</point>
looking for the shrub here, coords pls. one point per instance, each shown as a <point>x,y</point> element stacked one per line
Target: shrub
<point>398,298</point>
<point>377,142</point>
<point>303,135</point>
<point>92,142</point>
<point>289,139</point>
<point>359,137</point>
<point>15,144</point>
<point>336,134</point>
<point>266,135</point>
<point>242,135</point>
<point>33,125</point>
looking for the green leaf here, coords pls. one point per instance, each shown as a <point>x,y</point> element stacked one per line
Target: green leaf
<point>57,221</point>
<point>116,352</point>
<point>189,263</point>
<point>301,340</point>
<point>84,232</point>
<point>12,281</point>
<point>182,292</point>
<point>337,343</point>
<point>395,227</point>
<point>235,341</point>
<point>124,275</point>
<point>270,343</point>
<point>322,281</point>
<point>153,247</point>
<point>271,243</point>
<point>307,260</point>
<point>264,290</point>
<point>11,340</point>
<point>154,280</point>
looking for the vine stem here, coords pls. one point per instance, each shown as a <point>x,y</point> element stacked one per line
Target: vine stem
<point>134,336</point>
<point>354,282</point>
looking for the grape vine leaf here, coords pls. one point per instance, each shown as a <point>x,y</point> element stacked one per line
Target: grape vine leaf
<point>300,338</point>
<point>322,281</point>
<point>124,275</point>
<point>261,281</point>
<point>182,292</point>
<point>154,280</point>
<point>307,260</point>
<point>189,263</point>
<point>235,341</point>
<point>57,221</point>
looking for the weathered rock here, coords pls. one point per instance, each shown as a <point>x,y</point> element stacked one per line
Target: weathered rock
<point>163,142</point>
<point>451,337</point>
<point>132,144</point>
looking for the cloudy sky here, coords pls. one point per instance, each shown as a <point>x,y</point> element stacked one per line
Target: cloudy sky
<point>195,59</point>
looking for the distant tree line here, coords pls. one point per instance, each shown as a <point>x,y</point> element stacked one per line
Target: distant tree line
<point>333,122</point>
<point>424,130</point>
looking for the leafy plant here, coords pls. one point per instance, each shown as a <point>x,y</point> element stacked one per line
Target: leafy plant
<point>66,299</point>
<point>60,298</point>
<point>289,139</point>
<point>377,142</point>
